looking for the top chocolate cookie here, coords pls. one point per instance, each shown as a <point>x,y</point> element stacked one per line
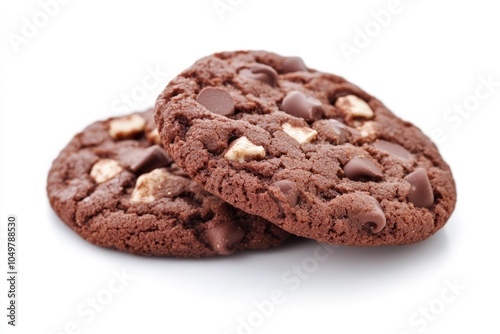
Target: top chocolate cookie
<point>306,150</point>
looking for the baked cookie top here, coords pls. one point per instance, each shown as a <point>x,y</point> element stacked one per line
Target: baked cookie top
<point>306,150</point>
<point>117,187</point>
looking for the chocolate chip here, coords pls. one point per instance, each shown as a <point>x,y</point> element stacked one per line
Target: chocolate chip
<point>297,104</point>
<point>340,128</point>
<point>393,149</point>
<point>289,191</point>
<point>262,73</point>
<point>421,194</point>
<point>359,169</point>
<point>293,64</point>
<point>151,158</point>
<point>224,237</point>
<point>217,100</point>
<point>374,219</point>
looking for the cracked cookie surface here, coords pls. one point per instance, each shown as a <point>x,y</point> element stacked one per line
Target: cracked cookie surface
<point>306,150</point>
<point>116,187</point>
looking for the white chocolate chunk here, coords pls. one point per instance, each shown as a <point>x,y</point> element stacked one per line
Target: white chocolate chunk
<point>243,149</point>
<point>126,127</point>
<point>154,137</point>
<point>367,129</point>
<point>104,170</point>
<point>355,106</point>
<point>147,184</point>
<point>301,134</point>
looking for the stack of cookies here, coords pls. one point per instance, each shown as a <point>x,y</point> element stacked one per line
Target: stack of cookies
<point>244,149</point>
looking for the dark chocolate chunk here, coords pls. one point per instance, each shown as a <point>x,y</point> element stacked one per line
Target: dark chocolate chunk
<point>392,148</point>
<point>373,219</point>
<point>299,105</point>
<point>151,158</point>
<point>289,190</point>
<point>217,100</point>
<point>359,169</point>
<point>224,237</point>
<point>340,128</point>
<point>421,194</point>
<point>293,64</point>
<point>262,73</point>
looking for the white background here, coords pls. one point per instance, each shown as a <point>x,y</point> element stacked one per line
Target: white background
<point>80,64</point>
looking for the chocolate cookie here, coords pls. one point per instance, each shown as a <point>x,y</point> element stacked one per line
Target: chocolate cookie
<point>116,187</point>
<point>306,150</point>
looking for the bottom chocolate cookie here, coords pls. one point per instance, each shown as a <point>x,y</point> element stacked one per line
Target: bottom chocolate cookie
<point>116,187</point>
